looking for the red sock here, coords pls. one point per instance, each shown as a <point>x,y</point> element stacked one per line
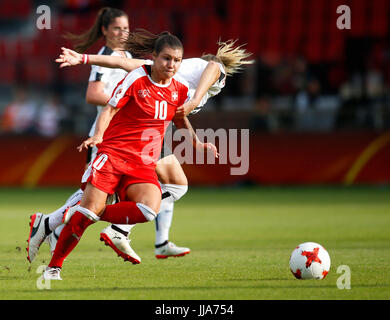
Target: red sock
<point>125,212</point>
<point>69,237</point>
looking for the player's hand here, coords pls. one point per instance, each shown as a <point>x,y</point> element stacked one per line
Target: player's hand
<point>90,142</point>
<point>69,58</point>
<point>208,147</point>
<point>186,108</point>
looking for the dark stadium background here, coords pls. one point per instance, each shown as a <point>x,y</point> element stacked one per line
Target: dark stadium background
<point>316,101</point>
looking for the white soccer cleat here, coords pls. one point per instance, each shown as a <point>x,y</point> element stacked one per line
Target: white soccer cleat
<point>120,244</point>
<point>37,235</point>
<point>52,274</point>
<point>170,250</point>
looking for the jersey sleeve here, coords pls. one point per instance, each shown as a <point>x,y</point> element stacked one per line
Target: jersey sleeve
<point>121,95</point>
<point>125,88</point>
<point>99,74</point>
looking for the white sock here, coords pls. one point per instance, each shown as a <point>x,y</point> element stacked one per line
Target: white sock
<point>164,221</point>
<point>174,191</point>
<point>55,218</point>
<point>170,194</point>
<point>58,230</point>
<point>124,227</point>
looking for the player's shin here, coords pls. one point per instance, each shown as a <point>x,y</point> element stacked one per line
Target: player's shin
<point>71,235</point>
<point>55,218</point>
<point>163,221</point>
<point>170,194</point>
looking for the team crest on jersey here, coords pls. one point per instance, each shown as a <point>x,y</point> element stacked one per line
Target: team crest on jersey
<point>144,93</point>
<point>118,93</point>
<point>175,96</point>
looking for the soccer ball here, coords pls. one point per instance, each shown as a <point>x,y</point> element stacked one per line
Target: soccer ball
<point>310,260</point>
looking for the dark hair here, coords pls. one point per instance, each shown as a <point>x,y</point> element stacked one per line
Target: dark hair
<point>104,18</point>
<point>142,42</point>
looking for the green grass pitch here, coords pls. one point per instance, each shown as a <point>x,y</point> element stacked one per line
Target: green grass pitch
<point>241,241</point>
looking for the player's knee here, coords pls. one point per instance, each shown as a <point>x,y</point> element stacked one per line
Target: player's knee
<point>149,212</point>
<point>81,220</point>
<point>176,191</point>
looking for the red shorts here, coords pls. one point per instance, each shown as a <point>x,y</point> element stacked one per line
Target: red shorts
<point>110,174</point>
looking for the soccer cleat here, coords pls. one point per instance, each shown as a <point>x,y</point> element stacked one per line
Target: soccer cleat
<point>37,235</point>
<point>170,250</point>
<point>120,244</point>
<point>52,274</point>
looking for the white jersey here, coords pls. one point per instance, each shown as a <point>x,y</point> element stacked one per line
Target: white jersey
<point>109,76</point>
<point>191,70</point>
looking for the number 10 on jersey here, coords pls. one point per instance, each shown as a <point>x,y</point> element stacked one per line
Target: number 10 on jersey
<point>161,110</point>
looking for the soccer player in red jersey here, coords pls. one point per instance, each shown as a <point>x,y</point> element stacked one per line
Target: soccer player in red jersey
<point>129,134</point>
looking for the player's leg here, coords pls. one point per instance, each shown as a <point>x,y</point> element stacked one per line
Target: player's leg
<point>126,229</point>
<point>42,225</point>
<point>174,185</point>
<point>53,236</point>
<point>140,204</point>
<point>100,179</point>
<point>78,219</point>
<point>116,236</point>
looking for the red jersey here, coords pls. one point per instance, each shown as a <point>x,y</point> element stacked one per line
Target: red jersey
<point>136,132</point>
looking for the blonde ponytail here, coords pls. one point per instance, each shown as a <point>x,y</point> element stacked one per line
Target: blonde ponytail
<point>233,58</point>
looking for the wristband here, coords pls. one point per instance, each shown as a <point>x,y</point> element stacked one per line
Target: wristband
<point>85,59</point>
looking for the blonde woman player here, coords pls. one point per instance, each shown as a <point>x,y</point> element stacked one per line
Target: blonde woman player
<point>206,77</point>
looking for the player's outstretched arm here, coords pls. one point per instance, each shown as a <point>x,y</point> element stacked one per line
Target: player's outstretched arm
<point>69,58</point>
<point>184,123</point>
<point>102,123</point>
<point>209,76</point>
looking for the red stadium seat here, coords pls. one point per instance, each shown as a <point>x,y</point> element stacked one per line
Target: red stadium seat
<point>192,31</point>
<point>314,50</point>
<point>75,76</point>
<point>359,18</point>
<point>8,74</point>
<point>379,25</point>
<point>7,10</point>
<point>236,8</point>
<point>37,71</point>
<point>212,34</point>
<point>3,49</point>
<point>23,8</point>
<point>163,21</point>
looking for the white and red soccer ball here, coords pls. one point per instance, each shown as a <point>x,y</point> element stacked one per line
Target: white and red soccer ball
<point>310,260</point>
